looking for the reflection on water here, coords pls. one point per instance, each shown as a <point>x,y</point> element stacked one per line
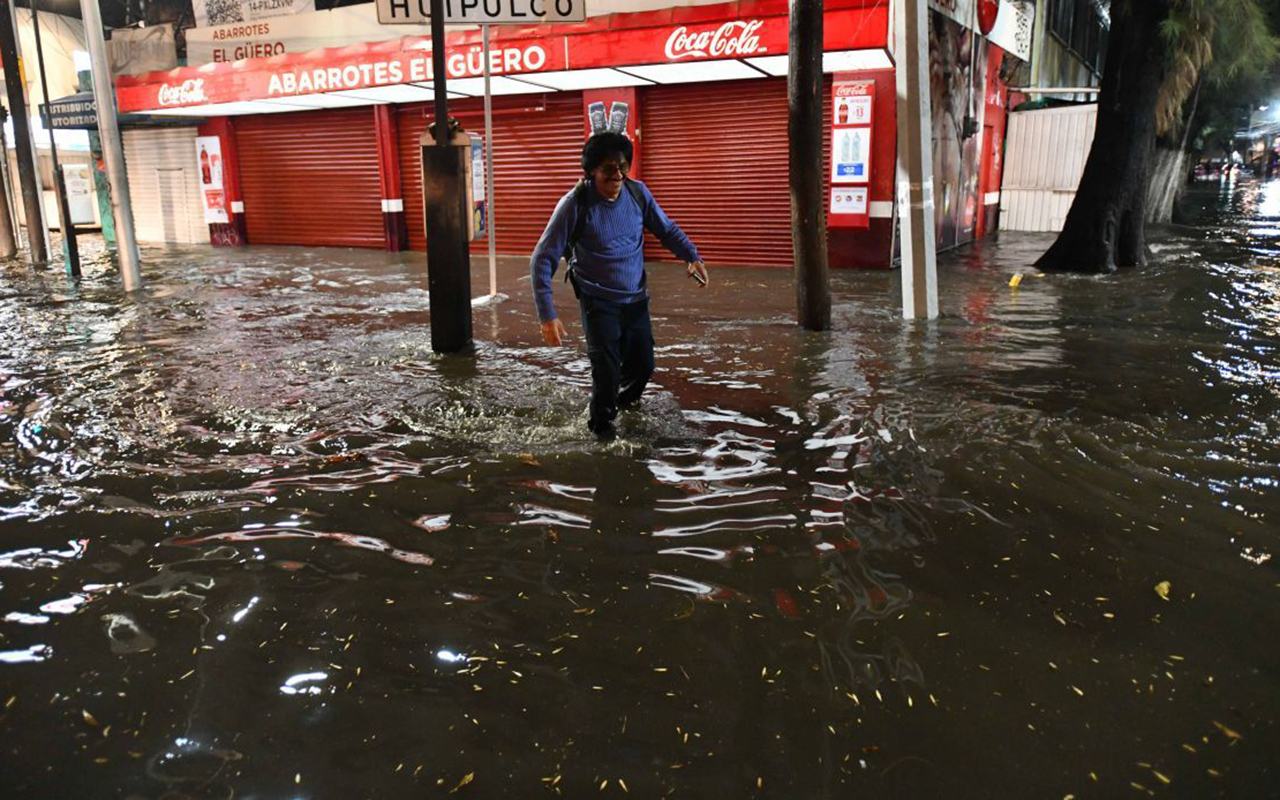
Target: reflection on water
<point>258,541</point>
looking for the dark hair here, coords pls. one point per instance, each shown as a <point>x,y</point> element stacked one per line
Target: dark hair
<point>602,145</point>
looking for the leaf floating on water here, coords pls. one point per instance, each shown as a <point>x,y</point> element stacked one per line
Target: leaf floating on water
<point>1230,734</point>
<point>89,718</point>
<point>527,458</point>
<point>468,778</point>
<point>1162,589</point>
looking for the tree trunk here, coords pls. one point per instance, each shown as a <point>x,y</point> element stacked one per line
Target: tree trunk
<point>1105,227</point>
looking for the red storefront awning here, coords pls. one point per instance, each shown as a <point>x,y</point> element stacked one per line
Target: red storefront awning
<point>747,38</point>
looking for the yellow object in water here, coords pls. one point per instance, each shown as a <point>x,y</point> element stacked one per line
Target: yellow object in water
<point>1015,280</point>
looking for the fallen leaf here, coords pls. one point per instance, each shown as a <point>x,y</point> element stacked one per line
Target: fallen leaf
<point>1162,589</point>
<point>470,776</point>
<point>1230,734</point>
<point>527,458</point>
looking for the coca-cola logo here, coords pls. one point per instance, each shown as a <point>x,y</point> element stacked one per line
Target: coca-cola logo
<point>737,38</point>
<point>189,91</point>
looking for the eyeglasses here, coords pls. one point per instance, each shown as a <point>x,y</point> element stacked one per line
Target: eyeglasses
<point>614,169</point>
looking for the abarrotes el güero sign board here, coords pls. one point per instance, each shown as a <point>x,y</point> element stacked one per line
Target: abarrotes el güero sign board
<point>481,12</point>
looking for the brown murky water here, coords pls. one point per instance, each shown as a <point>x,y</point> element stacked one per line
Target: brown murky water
<point>256,541</point>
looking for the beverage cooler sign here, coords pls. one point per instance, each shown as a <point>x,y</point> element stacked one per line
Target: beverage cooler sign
<point>851,116</point>
<point>209,152</point>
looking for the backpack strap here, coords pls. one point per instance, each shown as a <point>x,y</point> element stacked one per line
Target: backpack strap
<point>579,224</point>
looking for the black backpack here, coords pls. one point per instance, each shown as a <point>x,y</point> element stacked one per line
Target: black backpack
<point>580,199</point>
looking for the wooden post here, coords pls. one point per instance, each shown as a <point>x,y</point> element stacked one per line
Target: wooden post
<point>804,133</point>
<point>447,212</point>
<point>915,162</point>
<point>37,234</point>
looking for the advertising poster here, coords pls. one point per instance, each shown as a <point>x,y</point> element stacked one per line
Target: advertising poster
<point>849,200</point>
<point>851,117</point>
<point>226,12</point>
<point>479,208</point>
<point>209,153</point>
<point>956,155</point>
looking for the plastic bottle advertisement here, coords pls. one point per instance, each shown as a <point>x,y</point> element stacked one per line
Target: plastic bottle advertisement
<point>209,159</point>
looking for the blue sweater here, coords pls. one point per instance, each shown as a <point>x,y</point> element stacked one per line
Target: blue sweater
<point>610,250</point>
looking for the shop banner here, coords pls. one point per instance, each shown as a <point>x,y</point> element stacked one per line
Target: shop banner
<point>1007,23</point>
<point>363,66</point>
<point>297,33</point>
<point>225,12</point>
<point>852,110</point>
<point>132,51</point>
<point>209,152</point>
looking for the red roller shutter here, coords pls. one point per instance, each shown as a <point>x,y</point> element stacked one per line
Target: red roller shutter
<point>536,159</point>
<point>311,178</point>
<point>715,157</point>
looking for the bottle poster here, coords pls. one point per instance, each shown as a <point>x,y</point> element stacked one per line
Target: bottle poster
<point>853,103</point>
<point>851,131</point>
<point>214,197</point>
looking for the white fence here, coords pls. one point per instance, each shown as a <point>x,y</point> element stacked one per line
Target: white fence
<point>1044,160</point>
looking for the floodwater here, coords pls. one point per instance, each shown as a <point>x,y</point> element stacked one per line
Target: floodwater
<point>257,541</point>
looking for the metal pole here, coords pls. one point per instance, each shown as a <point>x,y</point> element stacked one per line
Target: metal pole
<point>915,162</point>
<point>492,232</point>
<point>112,151</point>
<point>437,71</point>
<point>8,226</point>
<point>69,247</point>
<point>804,133</point>
<point>28,171</point>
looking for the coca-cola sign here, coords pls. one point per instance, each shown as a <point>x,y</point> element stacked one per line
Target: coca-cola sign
<point>184,94</point>
<point>732,39</point>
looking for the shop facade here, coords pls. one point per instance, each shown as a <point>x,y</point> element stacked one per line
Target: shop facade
<point>321,148</point>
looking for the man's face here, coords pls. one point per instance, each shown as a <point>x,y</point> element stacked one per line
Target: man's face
<point>609,174</point>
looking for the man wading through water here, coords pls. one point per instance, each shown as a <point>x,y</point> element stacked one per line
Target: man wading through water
<point>599,228</point>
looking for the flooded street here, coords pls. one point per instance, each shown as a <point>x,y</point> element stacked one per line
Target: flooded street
<point>257,541</point>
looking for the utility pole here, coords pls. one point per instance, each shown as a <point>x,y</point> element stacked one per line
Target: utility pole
<point>69,246</point>
<point>804,134</point>
<point>491,231</point>
<point>915,162</point>
<point>28,175</point>
<point>447,208</point>
<point>109,129</point>
<point>8,237</point>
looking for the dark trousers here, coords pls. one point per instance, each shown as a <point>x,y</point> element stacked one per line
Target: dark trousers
<point>620,347</point>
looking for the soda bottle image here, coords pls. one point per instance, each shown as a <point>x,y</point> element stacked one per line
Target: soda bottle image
<point>206,176</point>
<point>595,113</point>
<point>215,165</point>
<point>856,146</point>
<point>846,149</point>
<point>618,113</point>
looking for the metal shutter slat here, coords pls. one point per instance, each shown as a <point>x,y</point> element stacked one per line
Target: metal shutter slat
<point>715,158</point>
<point>311,178</point>
<point>536,160</point>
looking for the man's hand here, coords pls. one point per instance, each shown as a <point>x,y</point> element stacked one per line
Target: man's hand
<point>553,332</point>
<point>698,271</point>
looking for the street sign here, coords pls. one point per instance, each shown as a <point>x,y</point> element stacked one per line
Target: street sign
<point>74,112</point>
<point>483,12</point>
